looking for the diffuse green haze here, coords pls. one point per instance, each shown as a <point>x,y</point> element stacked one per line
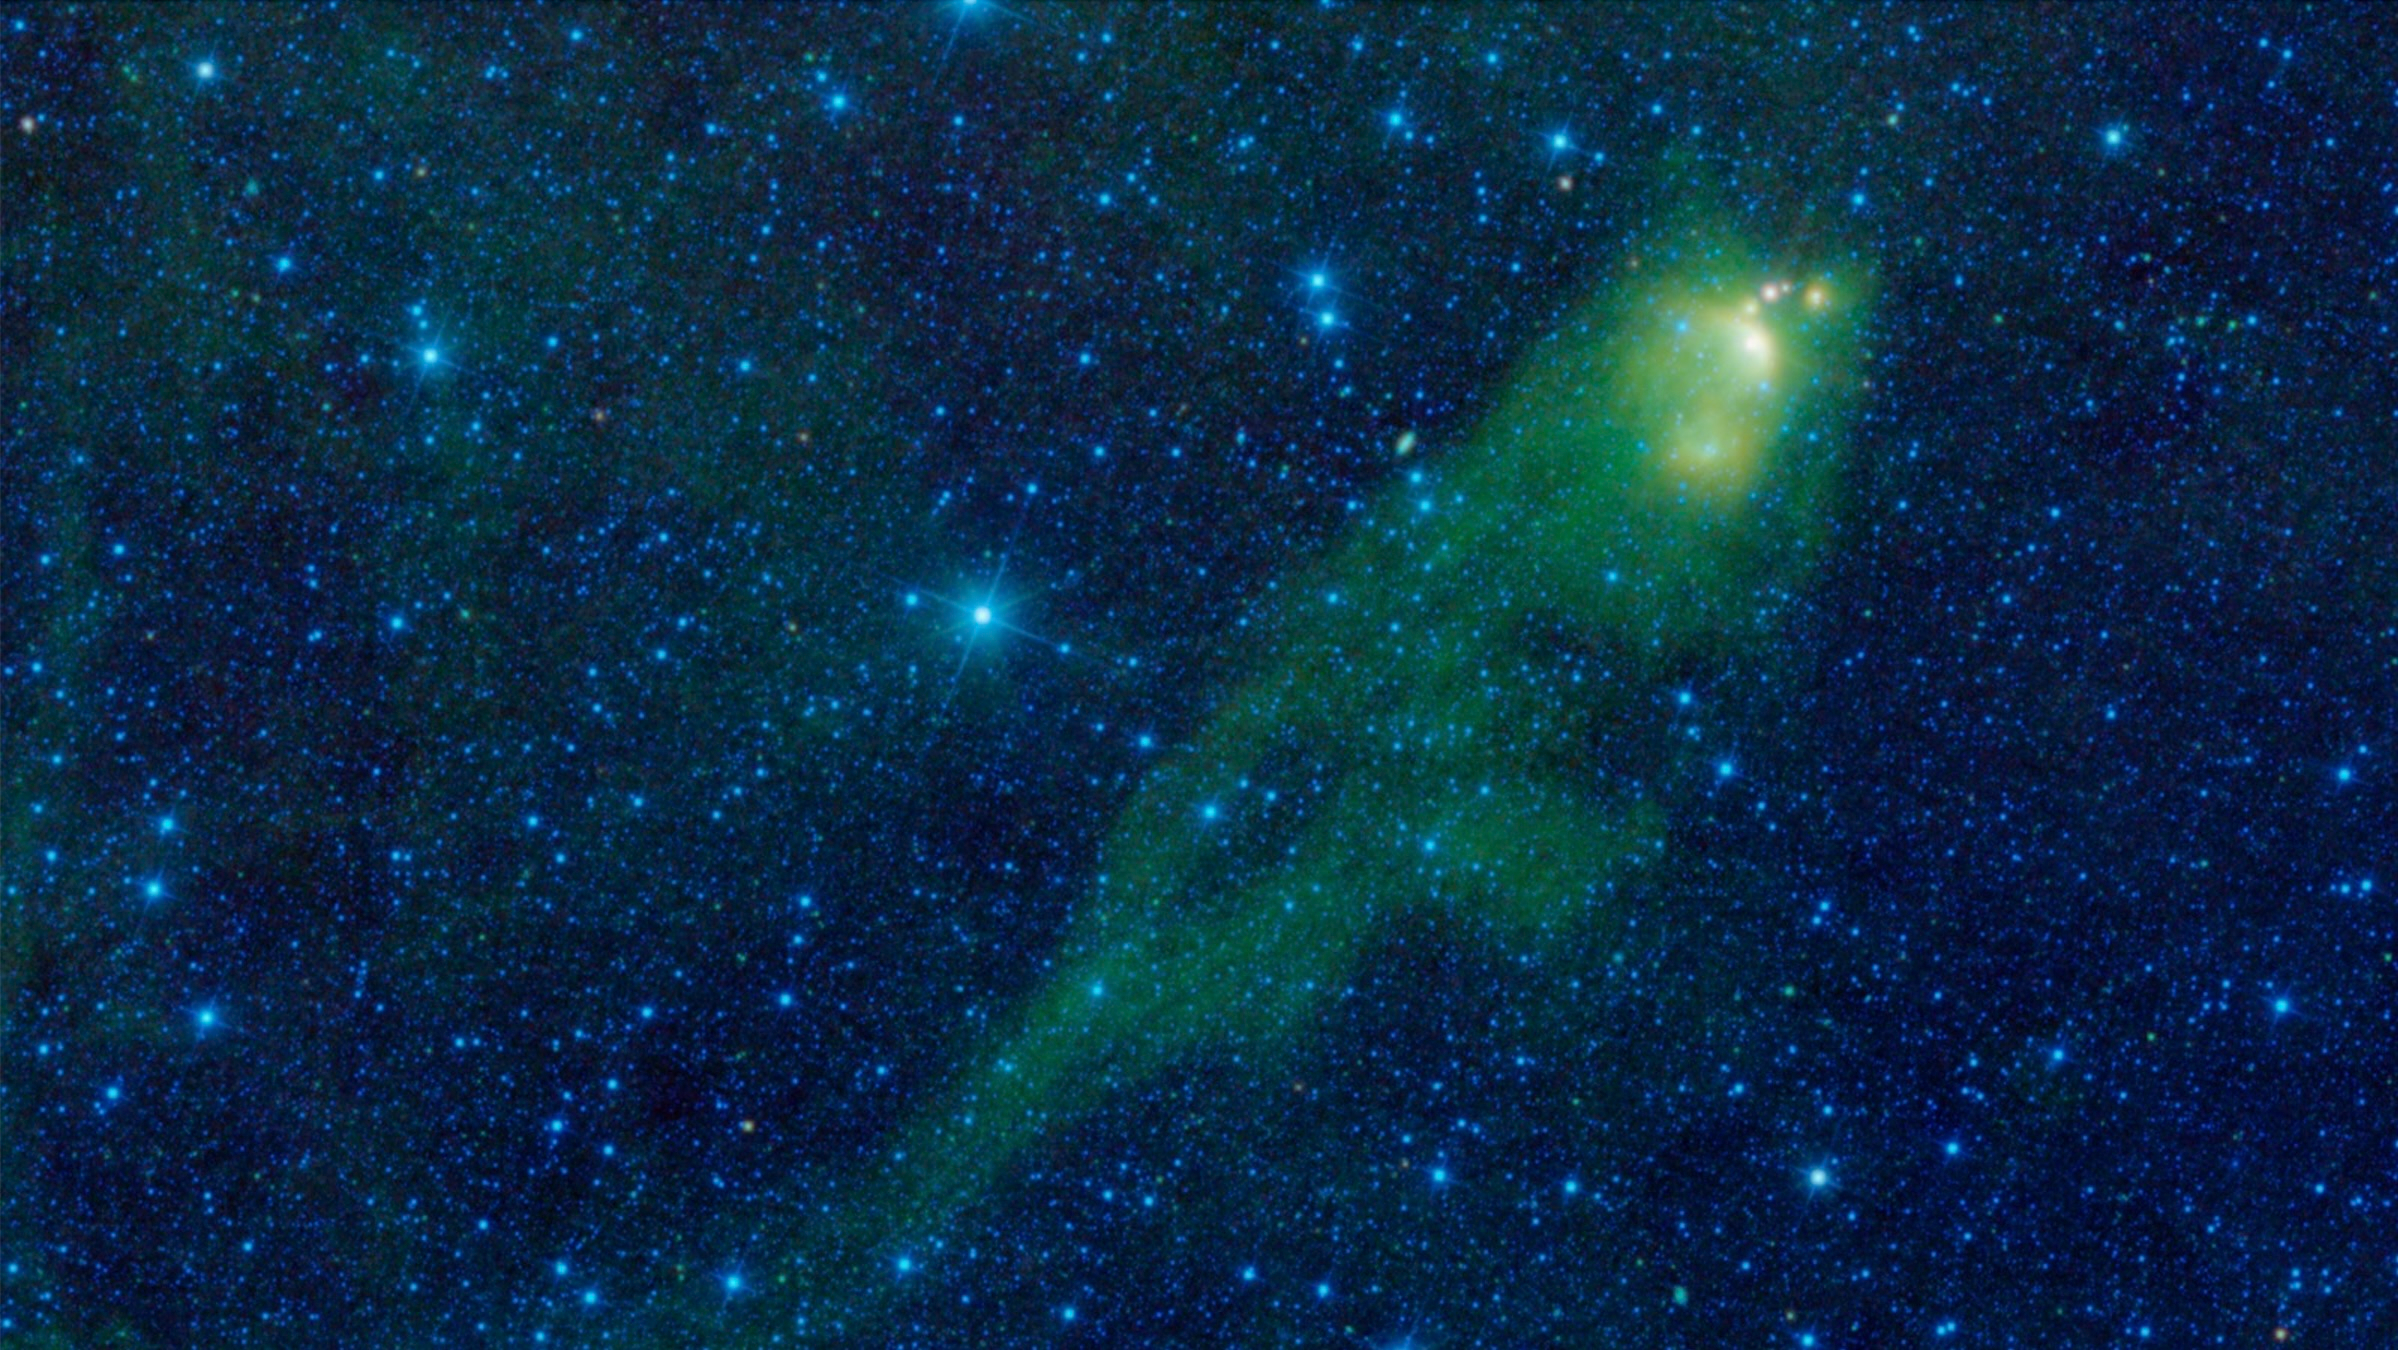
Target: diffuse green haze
<point>1658,478</point>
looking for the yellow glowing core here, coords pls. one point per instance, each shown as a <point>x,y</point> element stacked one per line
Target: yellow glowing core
<point>1708,394</point>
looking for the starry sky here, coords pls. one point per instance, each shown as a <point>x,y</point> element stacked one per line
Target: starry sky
<point>1113,673</point>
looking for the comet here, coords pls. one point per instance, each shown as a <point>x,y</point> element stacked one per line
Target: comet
<point>1659,476</point>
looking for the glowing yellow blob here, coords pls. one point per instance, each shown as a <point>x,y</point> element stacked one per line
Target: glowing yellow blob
<point>1708,389</point>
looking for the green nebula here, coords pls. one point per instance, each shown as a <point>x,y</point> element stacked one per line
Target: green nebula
<point>1657,480</point>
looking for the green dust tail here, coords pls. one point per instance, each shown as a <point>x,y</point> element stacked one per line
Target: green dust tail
<point>1657,479</point>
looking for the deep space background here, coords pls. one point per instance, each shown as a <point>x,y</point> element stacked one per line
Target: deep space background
<point>504,793</point>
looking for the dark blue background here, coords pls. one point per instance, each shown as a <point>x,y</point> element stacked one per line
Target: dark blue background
<point>484,835</point>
